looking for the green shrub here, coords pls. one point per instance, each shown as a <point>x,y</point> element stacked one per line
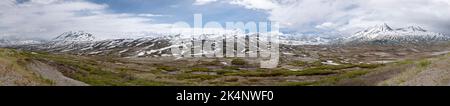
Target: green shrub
<point>199,69</point>
<point>330,80</point>
<point>222,72</point>
<point>298,63</point>
<point>312,72</point>
<point>424,63</point>
<point>348,75</point>
<point>370,66</point>
<point>255,74</point>
<point>298,83</point>
<point>404,62</point>
<point>280,73</point>
<point>238,62</point>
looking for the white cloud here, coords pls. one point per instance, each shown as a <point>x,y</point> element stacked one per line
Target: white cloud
<point>151,15</point>
<point>44,1</point>
<point>49,18</point>
<point>6,4</point>
<point>327,25</point>
<point>256,4</point>
<point>203,2</point>
<point>348,16</point>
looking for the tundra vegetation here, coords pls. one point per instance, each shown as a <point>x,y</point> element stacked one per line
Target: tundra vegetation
<point>16,69</point>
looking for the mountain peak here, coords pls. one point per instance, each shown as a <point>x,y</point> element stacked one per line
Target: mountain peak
<point>382,27</point>
<point>75,36</point>
<point>373,32</point>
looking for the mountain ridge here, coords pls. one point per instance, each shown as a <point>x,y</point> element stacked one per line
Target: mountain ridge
<point>84,43</point>
<point>384,34</point>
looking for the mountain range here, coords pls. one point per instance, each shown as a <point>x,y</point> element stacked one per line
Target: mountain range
<point>84,43</point>
<point>384,34</point>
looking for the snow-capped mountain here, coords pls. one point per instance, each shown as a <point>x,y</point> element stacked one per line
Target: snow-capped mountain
<point>67,38</point>
<point>301,39</point>
<point>82,43</point>
<point>6,42</point>
<point>384,34</point>
<point>87,45</point>
<point>71,38</point>
<point>75,36</point>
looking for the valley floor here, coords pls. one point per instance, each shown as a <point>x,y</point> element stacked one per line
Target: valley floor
<point>25,68</point>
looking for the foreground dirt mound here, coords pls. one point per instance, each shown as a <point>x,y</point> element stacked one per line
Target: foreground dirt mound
<point>17,70</point>
<point>50,73</point>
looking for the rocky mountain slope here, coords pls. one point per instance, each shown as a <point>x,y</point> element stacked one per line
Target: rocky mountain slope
<point>384,34</point>
<point>82,43</point>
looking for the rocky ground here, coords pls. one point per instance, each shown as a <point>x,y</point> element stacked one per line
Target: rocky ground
<point>18,69</point>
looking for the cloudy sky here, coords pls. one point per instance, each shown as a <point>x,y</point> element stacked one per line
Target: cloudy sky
<point>49,18</point>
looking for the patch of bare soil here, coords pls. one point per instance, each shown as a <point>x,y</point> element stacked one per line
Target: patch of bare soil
<point>50,73</point>
<point>9,77</point>
<point>13,74</point>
